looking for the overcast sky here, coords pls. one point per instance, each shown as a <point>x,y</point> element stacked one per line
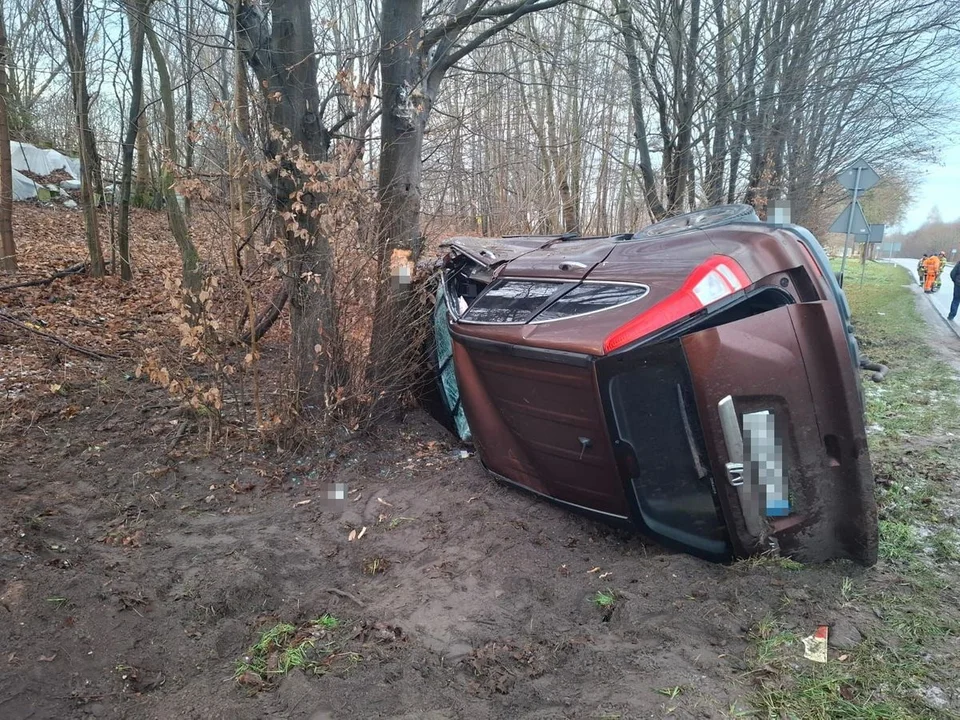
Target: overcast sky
<point>941,188</point>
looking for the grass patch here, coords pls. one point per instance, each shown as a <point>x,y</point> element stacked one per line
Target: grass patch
<point>605,598</point>
<point>757,562</point>
<point>312,647</point>
<point>945,545</point>
<point>913,420</point>
<point>375,565</point>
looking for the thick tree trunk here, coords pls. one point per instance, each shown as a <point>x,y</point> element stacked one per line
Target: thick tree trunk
<point>284,61</point>
<point>8,248</point>
<point>130,139</point>
<point>406,104</point>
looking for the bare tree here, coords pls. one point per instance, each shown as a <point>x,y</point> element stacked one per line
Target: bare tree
<point>74,26</point>
<point>134,112</point>
<point>7,244</point>
<point>192,272</point>
<point>414,58</point>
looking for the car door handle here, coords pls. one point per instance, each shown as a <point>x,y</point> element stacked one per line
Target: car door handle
<point>572,266</point>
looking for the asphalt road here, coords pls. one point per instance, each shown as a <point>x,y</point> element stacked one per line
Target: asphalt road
<point>940,299</point>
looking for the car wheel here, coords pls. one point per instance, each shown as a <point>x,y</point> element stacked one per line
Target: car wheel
<point>700,220</point>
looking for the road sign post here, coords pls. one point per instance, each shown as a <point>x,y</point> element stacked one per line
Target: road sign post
<point>858,177</point>
<point>874,238</point>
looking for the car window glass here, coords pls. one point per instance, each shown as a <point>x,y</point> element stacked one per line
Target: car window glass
<point>591,297</point>
<point>511,301</point>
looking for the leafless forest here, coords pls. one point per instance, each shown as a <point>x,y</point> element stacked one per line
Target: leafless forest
<point>331,143</point>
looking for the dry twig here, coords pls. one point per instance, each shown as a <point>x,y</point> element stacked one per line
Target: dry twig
<point>59,340</point>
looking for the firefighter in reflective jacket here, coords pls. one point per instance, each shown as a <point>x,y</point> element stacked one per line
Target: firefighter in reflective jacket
<point>931,266</point>
<point>943,264</point>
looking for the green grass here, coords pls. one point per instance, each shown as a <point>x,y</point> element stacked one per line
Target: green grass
<point>604,598</point>
<point>914,430</point>
<point>285,647</point>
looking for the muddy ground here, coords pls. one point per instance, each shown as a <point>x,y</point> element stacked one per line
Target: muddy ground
<point>139,569</point>
<point>141,557</point>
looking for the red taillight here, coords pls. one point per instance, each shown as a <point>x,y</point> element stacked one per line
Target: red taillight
<point>717,278</point>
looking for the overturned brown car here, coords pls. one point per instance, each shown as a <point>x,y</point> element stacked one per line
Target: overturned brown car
<point>698,381</point>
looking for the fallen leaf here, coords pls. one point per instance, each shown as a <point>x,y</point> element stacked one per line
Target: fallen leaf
<point>302,502</point>
<point>250,678</point>
<point>596,569</point>
<point>46,658</point>
<point>352,536</point>
<point>842,658</point>
<point>384,502</point>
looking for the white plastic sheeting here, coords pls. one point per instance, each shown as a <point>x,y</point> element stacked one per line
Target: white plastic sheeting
<point>24,156</point>
<point>23,187</point>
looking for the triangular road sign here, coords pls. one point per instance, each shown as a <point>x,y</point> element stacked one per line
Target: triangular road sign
<point>842,224</point>
<point>868,176</point>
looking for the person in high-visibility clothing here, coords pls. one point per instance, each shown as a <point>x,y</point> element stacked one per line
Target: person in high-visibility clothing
<point>943,263</point>
<point>932,266</point>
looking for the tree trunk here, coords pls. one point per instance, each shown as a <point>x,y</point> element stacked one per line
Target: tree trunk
<point>192,272</point>
<point>284,61</point>
<point>412,65</point>
<point>130,139</point>
<point>656,207</point>
<point>718,155</point>
<point>142,191</point>
<point>190,141</point>
<point>240,188</point>
<point>91,188</point>
<point>406,103</point>
<point>8,247</point>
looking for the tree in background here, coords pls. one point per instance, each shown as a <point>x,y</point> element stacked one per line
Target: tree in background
<point>7,245</point>
<point>74,25</point>
<point>134,113</point>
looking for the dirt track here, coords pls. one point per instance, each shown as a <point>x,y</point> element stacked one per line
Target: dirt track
<point>135,581</point>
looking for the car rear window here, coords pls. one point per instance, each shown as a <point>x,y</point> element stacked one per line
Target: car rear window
<point>591,297</point>
<point>512,301</point>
